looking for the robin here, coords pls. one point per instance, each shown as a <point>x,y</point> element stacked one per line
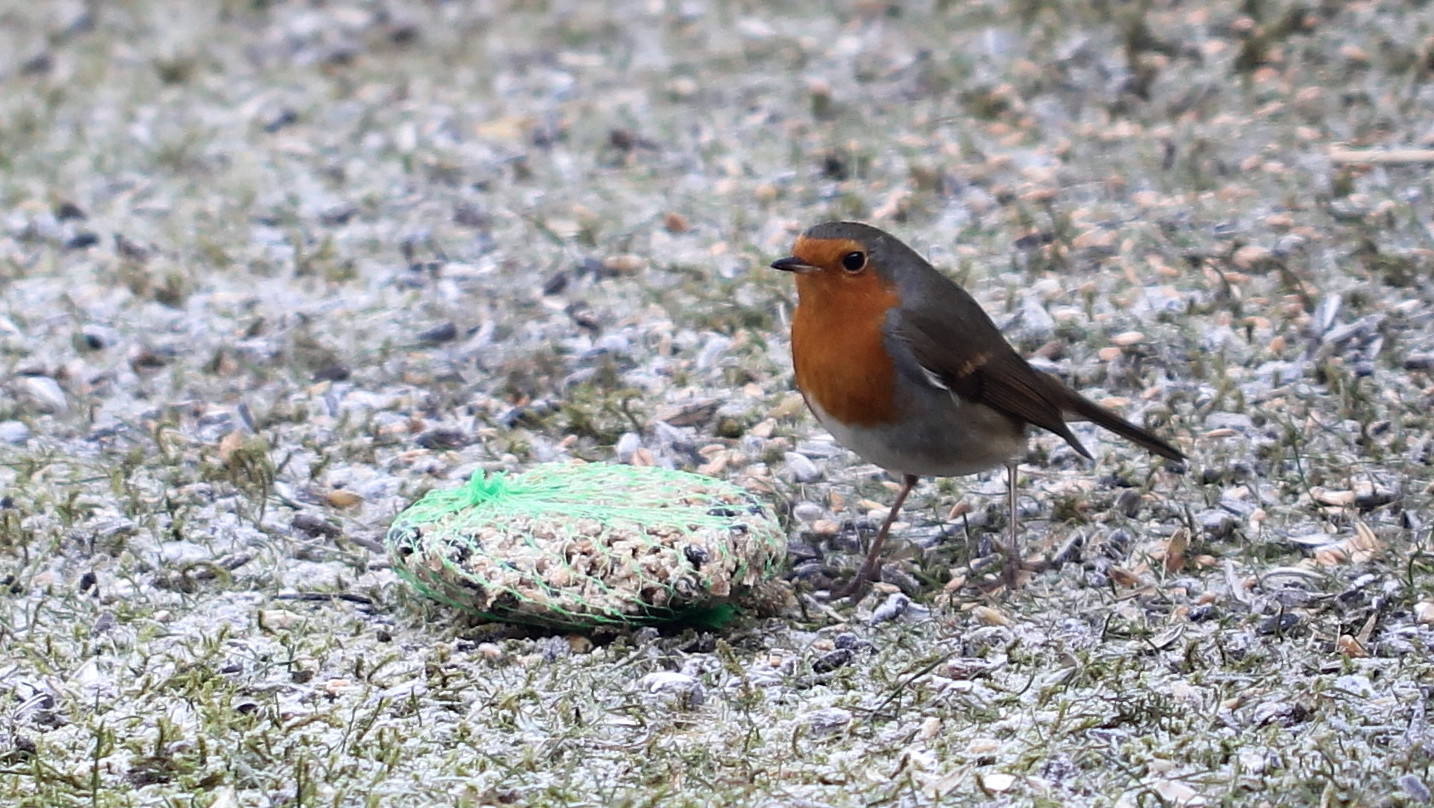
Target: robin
<point>906,369</point>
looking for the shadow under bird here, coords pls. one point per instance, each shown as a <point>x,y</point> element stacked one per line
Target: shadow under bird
<point>906,369</point>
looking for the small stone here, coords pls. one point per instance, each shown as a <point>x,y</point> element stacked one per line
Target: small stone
<point>555,284</point>
<point>1128,502</point>
<point>1249,256</point>
<point>1350,647</point>
<point>82,240</point>
<point>893,607</point>
<point>982,747</point>
<point>673,689</point>
<point>442,440</point>
<point>14,432</point>
<point>311,525</point>
<point>808,512</point>
<point>66,211</point>
<point>1238,421</point>
<point>97,337</point>
<point>278,619</point>
<point>613,345</point>
<point>827,722</point>
<point>688,413</point>
<point>1337,499</point>
<point>471,215</point>
<point>443,332</point>
<point>627,446</point>
<point>800,468</point>
<point>1424,612</point>
<point>340,498</point>
<point>1278,624</point>
<point>997,782</point>
<point>1123,577</point>
<point>1357,685</point>
<point>988,616</point>
<point>1415,788</point>
<point>45,393</point>
<point>279,119</point>
<point>380,487</point>
<point>683,87</point>
<point>623,264</point>
<point>789,407</point>
<point>830,661</point>
<point>338,215</point>
<point>1368,496</point>
<point>1174,792</point>
<point>1215,523</point>
<point>180,553</point>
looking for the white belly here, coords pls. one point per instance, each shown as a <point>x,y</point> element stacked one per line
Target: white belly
<point>959,438</point>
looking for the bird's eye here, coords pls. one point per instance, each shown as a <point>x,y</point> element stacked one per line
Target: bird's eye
<point>853,261</point>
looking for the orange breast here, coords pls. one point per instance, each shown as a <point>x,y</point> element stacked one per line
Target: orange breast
<point>841,364</point>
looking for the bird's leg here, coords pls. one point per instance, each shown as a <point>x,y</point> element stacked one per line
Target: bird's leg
<point>1013,539</point>
<point>873,555</point>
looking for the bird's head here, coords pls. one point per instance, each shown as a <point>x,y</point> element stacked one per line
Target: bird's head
<point>839,255</point>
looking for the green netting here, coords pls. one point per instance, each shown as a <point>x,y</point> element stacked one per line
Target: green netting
<point>582,545</point>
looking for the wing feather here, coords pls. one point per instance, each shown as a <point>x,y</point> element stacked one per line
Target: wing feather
<point>992,374</point>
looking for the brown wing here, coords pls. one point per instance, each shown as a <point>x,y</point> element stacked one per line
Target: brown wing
<point>980,366</point>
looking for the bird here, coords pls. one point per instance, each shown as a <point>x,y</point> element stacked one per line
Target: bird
<point>903,367</point>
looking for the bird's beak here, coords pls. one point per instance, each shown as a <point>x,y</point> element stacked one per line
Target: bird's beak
<point>793,264</point>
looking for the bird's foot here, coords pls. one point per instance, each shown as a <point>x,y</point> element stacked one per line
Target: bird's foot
<point>859,583</point>
<point>1010,577</point>
<point>1011,573</point>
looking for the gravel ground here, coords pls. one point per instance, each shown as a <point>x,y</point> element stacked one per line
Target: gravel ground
<point>272,270</point>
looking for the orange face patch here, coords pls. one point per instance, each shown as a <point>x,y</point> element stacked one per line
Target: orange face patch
<point>837,346</point>
<point>825,252</point>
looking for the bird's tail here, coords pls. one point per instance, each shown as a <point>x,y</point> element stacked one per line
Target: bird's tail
<point>1078,407</point>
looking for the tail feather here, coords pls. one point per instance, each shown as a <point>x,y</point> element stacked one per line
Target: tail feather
<point>1083,408</point>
